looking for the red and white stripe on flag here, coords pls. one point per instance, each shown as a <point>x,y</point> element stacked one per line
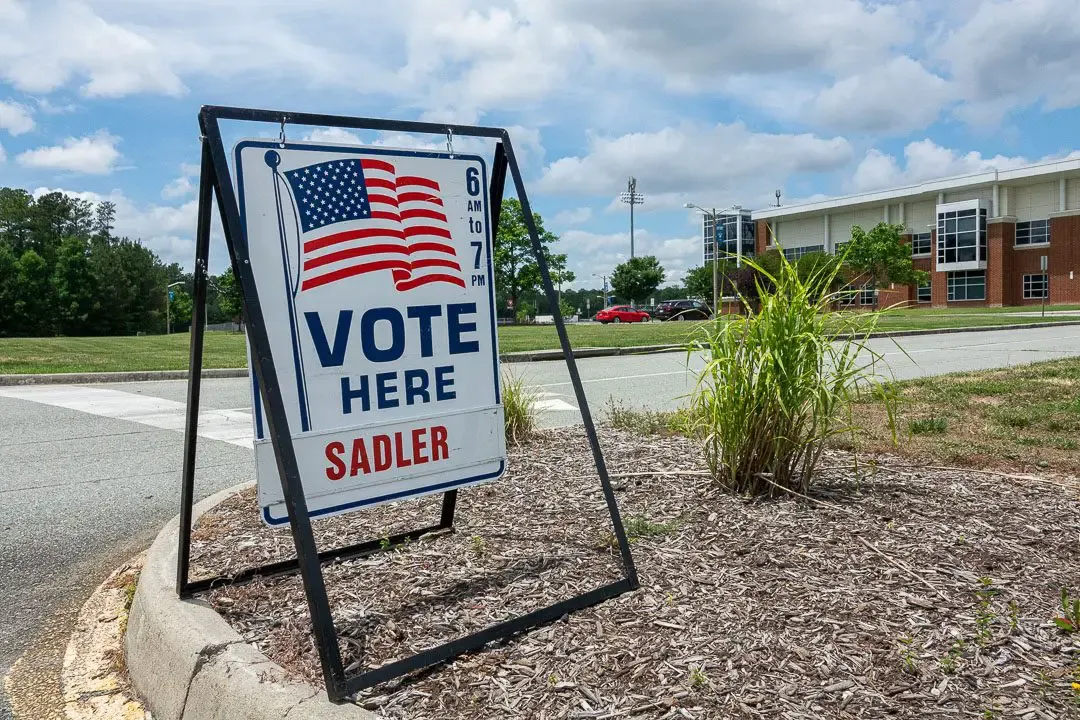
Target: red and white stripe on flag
<point>406,233</point>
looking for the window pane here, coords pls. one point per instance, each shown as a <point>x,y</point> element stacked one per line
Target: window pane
<point>965,224</point>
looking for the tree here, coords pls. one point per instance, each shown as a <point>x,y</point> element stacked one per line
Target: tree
<point>882,256</point>
<point>8,289</point>
<point>230,298</point>
<point>814,268</point>
<point>637,278</point>
<point>33,295</point>
<point>180,307</point>
<point>698,282</point>
<point>74,288</point>
<point>79,279</point>
<point>516,271</point>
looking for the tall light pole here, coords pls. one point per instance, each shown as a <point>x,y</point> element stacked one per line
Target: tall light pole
<point>168,306</point>
<point>715,217</point>
<point>632,197</point>
<point>604,278</point>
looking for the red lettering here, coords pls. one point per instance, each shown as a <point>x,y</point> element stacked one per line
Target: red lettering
<point>383,456</point>
<point>360,462</point>
<point>439,450</point>
<point>399,446</point>
<point>336,470</point>
<point>418,446</point>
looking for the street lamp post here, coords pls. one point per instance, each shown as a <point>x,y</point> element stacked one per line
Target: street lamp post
<point>604,278</point>
<point>632,197</point>
<point>168,306</point>
<point>715,217</point>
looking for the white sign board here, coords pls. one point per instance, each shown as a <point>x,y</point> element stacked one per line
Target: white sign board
<point>374,272</point>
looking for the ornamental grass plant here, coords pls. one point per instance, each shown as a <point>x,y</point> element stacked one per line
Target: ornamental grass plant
<point>779,381</point>
<point>519,409</point>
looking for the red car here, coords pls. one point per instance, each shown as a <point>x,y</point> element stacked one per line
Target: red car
<point>621,314</point>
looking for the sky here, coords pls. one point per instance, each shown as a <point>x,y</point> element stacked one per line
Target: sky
<point>709,102</point>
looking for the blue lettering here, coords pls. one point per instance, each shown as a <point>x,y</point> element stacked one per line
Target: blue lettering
<point>383,388</point>
<point>424,313</point>
<point>419,389</point>
<point>397,331</point>
<point>455,328</point>
<point>444,380</point>
<point>348,395</point>
<point>330,357</point>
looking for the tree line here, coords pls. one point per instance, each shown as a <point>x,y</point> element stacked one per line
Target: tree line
<point>64,271</point>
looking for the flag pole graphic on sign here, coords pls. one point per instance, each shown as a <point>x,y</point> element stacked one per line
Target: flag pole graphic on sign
<point>292,284</point>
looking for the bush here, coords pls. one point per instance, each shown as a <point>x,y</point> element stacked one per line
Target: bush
<point>519,409</point>
<point>647,422</point>
<point>779,381</point>
<point>928,426</point>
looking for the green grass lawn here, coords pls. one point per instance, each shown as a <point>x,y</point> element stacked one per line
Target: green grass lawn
<point>226,350</point>
<point>1022,417</point>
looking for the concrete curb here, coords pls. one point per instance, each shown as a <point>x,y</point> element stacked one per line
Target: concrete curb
<point>514,357</point>
<point>187,663</point>
<point>115,377</point>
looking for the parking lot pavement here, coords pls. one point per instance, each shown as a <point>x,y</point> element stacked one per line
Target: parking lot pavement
<point>89,473</point>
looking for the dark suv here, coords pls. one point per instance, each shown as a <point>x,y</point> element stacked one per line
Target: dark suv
<point>682,310</point>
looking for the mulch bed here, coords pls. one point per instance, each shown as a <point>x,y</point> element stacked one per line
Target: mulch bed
<point>900,592</point>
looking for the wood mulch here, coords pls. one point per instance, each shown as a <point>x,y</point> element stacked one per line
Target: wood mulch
<point>904,592</point>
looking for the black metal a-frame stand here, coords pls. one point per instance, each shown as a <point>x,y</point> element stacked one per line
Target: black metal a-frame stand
<point>215,178</point>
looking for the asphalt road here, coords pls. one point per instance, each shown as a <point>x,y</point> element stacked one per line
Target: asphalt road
<point>89,473</point>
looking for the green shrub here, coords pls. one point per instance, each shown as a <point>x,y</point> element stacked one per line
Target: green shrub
<point>519,409</point>
<point>647,422</point>
<point>779,381</point>
<point>928,426</point>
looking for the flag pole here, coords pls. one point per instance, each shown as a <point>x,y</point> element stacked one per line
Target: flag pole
<point>273,160</point>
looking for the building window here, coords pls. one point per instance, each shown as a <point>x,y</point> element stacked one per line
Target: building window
<point>857,295</point>
<point>726,236</point>
<point>920,244</point>
<point>793,254</point>
<point>1036,287</point>
<point>967,285</point>
<point>1033,232</point>
<point>961,236</point>
<point>838,248</point>
<point>923,293</point>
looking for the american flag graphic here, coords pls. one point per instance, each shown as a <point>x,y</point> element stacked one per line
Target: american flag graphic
<point>359,216</point>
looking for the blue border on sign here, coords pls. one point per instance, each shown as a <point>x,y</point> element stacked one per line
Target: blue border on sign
<point>240,146</point>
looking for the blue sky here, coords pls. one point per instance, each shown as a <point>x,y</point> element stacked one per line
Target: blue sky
<point>703,101</point>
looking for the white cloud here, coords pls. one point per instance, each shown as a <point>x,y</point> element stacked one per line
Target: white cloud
<point>3,154</point>
<point>899,96</point>
<point>333,135</point>
<point>45,45</point>
<point>1012,53</point>
<point>576,216</point>
<point>183,185</point>
<point>720,165</point>
<point>15,118</point>
<point>95,155</point>
<point>690,46</point>
<point>924,160</point>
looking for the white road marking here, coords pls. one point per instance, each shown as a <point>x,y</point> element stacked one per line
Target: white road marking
<point>550,401</point>
<point>231,426</point>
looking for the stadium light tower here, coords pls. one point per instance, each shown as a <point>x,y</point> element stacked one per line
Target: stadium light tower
<point>632,197</point>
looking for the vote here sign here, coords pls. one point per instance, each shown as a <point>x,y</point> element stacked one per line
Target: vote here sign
<point>374,271</point>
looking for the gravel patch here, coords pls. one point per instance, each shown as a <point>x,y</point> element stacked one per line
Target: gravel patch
<point>896,591</point>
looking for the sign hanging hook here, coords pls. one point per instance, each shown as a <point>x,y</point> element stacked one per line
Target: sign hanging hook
<point>281,132</point>
<point>450,141</point>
